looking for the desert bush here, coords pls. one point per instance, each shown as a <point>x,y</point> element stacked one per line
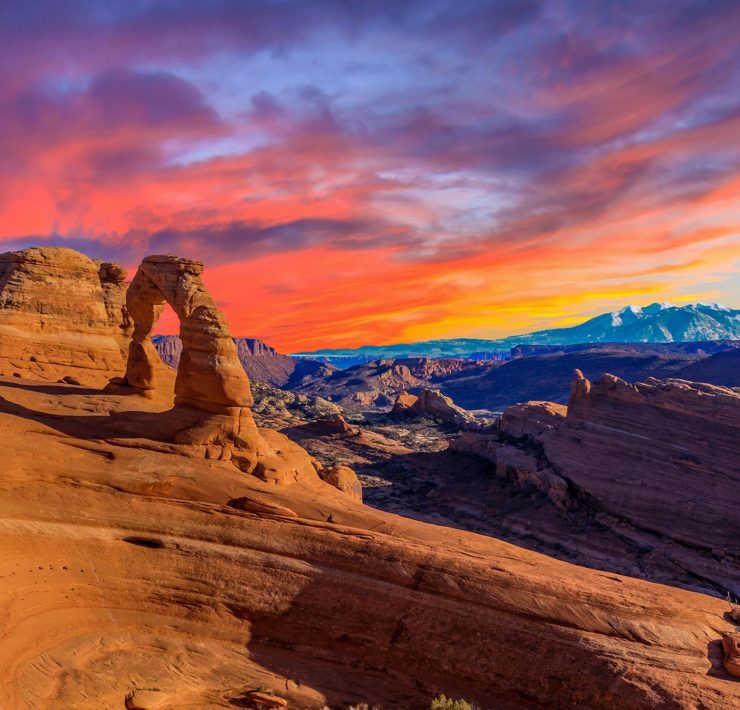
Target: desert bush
<point>442,702</point>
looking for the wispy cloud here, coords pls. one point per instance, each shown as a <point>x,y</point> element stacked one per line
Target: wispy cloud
<point>366,172</point>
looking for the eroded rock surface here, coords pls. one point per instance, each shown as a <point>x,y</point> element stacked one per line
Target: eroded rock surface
<point>128,569</point>
<point>731,650</point>
<point>141,569</point>
<point>62,314</point>
<point>657,462</point>
<point>662,453</point>
<point>343,478</point>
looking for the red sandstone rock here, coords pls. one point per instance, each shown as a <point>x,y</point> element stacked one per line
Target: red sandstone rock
<point>531,418</point>
<point>404,402</point>
<point>332,424</point>
<point>663,454</point>
<point>432,403</point>
<point>212,392</point>
<point>660,456</point>
<point>124,567</point>
<point>344,479</point>
<point>731,649</point>
<point>62,314</point>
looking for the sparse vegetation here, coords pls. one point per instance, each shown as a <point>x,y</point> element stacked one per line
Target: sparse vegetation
<point>442,702</point>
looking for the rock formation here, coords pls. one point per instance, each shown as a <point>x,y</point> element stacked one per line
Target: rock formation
<point>62,314</point>
<point>663,454</point>
<point>212,392</point>
<point>141,568</point>
<point>343,478</point>
<point>363,387</point>
<point>432,403</point>
<point>537,373</point>
<point>658,459</point>
<point>531,419</point>
<point>261,362</point>
<point>208,375</point>
<point>131,573</point>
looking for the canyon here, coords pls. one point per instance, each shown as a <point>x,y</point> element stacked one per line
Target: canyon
<point>161,548</point>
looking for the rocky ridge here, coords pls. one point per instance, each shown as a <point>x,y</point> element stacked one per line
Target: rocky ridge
<point>261,362</point>
<point>658,457</point>
<point>533,373</point>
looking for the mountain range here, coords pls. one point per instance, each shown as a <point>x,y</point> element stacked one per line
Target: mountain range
<point>656,323</point>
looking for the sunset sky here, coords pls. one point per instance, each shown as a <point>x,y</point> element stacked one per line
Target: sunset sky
<point>374,171</point>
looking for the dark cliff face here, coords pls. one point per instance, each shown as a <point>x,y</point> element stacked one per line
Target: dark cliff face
<point>261,362</point>
<point>255,347</point>
<point>170,347</point>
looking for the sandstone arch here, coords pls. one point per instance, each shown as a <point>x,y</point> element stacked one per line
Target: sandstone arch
<point>212,394</point>
<point>210,377</point>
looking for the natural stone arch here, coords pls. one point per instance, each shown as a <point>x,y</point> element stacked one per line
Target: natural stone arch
<point>210,377</point>
<point>212,394</point>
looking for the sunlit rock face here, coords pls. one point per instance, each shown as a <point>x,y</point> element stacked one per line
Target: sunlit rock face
<point>62,315</point>
<point>212,392</point>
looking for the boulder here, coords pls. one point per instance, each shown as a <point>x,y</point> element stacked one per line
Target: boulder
<point>404,402</point>
<point>344,479</point>
<point>531,419</point>
<point>432,403</point>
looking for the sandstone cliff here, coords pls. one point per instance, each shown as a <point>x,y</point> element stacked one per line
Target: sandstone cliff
<point>62,314</point>
<point>658,459</point>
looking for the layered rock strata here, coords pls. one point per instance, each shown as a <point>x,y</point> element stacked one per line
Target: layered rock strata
<point>62,315</point>
<point>659,457</point>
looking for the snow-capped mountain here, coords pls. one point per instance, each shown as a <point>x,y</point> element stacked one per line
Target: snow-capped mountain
<point>656,323</point>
